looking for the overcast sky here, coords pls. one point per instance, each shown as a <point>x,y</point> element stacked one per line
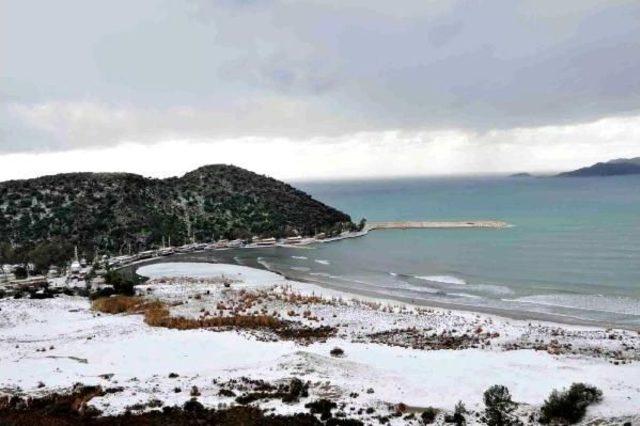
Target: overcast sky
<point>317,88</point>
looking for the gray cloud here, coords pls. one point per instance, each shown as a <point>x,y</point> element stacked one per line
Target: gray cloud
<point>82,74</point>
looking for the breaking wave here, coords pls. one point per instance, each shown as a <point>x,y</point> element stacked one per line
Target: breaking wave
<point>444,279</point>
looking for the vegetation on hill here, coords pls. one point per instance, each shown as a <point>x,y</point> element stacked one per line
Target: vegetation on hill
<point>623,166</point>
<point>118,212</point>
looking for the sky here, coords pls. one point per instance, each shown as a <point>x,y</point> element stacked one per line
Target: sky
<point>317,89</point>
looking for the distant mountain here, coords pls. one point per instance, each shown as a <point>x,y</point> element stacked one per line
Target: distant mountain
<point>635,160</point>
<point>113,211</point>
<point>621,166</point>
<point>521,175</point>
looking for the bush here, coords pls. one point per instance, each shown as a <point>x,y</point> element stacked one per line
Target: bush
<point>458,415</point>
<point>499,405</point>
<point>46,254</point>
<point>121,284</point>
<point>322,407</point>
<point>103,292</point>
<point>20,272</point>
<point>336,352</point>
<point>297,389</point>
<point>569,406</point>
<point>193,405</point>
<point>428,416</point>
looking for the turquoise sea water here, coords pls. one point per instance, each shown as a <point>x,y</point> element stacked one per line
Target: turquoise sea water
<point>573,252</point>
<point>574,249</point>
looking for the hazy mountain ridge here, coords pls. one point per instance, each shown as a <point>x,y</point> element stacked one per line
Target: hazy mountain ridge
<point>110,211</point>
<point>617,167</point>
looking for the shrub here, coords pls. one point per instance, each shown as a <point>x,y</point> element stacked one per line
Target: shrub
<point>193,405</point>
<point>20,272</point>
<point>121,284</point>
<point>428,416</point>
<point>569,406</point>
<point>195,391</point>
<point>458,415</point>
<point>499,405</point>
<point>322,407</point>
<point>103,292</point>
<point>337,352</point>
<point>297,389</point>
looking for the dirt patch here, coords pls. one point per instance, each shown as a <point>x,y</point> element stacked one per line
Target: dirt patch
<point>288,393</point>
<point>427,340</point>
<point>306,334</point>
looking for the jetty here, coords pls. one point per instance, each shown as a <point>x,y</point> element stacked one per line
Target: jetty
<point>493,224</point>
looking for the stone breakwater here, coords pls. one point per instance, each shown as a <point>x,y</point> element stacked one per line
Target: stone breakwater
<point>495,224</point>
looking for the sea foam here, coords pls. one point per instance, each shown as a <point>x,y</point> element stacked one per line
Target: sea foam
<point>300,268</point>
<point>595,302</point>
<point>444,279</point>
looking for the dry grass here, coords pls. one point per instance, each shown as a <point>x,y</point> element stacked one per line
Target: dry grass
<point>118,304</point>
<point>157,314</point>
<point>161,318</point>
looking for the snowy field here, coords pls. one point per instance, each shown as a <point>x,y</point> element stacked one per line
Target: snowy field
<point>48,345</point>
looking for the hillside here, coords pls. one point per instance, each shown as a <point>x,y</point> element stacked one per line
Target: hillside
<point>110,211</point>
<point>622,166</point>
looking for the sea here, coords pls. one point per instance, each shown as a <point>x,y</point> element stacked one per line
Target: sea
<point>572,253</point>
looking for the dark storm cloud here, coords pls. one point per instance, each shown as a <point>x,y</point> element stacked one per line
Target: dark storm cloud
<point>79,74</point>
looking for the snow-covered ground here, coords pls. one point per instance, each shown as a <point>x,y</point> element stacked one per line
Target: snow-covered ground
<point>48,345</point>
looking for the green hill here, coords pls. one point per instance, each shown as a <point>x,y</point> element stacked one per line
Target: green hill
<point>109,212</point>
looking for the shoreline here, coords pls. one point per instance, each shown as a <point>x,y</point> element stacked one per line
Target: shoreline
<point>506,314</point>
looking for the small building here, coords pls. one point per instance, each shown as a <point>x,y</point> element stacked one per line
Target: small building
<point>53,272</point>
<point>235,243</point>
<point>75,267</point>
<point>166,251</point>
<point>265,241</point>
<point>187,248</point>
<point>6,274</point>
<point>223,243</point>
<point>293,240</point>
<point>146,254</point>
